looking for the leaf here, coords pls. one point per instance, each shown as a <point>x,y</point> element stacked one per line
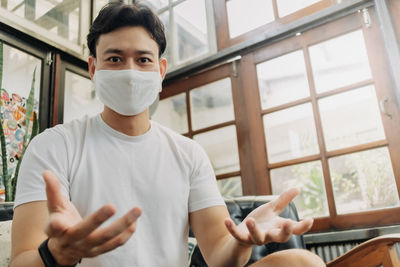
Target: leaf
<point>1,64</point>
<point>2,137</point>
<point>35,130</point>
<point>29,109</point>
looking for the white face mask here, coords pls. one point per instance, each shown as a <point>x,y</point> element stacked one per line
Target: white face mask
<point>127,92</point>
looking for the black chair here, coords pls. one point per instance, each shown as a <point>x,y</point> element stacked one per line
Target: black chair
<point>6,211</point>
<point>239,208</point>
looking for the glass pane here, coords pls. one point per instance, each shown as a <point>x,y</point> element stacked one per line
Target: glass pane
<point>211,104</point>
<point>172,112</point>
<point>168,52</point>
<point>222,149</point>
<point>282,80</point>
<point>307,177</point>
<point>191,29</point>
<point>340,61</point>
<point>351,118</point>
<point>363,181</point>
<point>290,133</point>
<point>247,15</point>
<point>98,5</point>
<point>286,7</point>
<point>230,187</point>
<point>60,17</point>
<point>18,69</point>
<point>79,97</point>
<point>155,4</point>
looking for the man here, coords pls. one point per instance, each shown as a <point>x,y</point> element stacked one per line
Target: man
<point>156,180</point>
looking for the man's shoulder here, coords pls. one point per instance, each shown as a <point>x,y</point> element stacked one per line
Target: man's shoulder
<point>74,126</point>
<point>65,132</point>
<point>171,134</point>
<point>178,142</point>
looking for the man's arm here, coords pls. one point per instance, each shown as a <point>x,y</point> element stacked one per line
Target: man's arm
<point>224,244</point>
<point>71,237</point>
<point>217,246</point>
<point>28,225</point>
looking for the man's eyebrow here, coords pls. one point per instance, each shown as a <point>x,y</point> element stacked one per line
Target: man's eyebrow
<point>144,52</point>
<point>120,52</point>
<point>113,51</point>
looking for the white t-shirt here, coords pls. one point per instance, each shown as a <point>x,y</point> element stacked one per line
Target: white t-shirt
<point>164,173</point>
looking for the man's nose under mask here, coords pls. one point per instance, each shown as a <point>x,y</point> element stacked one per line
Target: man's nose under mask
<point>127,92</point>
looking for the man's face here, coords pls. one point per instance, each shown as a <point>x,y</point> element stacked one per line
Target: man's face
<point>129,47</point>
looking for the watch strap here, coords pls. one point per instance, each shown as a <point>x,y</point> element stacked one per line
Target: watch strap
<point>47,258</point>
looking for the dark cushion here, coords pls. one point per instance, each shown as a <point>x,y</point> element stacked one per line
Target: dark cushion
<point>6,211</point>
<point>239,208</point>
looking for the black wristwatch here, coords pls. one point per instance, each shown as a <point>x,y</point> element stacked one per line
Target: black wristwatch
<point>47,258</point>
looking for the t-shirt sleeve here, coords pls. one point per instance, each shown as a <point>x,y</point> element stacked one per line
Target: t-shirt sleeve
<point>204,191</point>
<point>47,151</point>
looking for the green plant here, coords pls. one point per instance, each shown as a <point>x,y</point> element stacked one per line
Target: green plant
<point>10,182</point>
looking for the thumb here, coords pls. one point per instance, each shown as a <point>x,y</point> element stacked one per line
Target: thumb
<point>55,199</point>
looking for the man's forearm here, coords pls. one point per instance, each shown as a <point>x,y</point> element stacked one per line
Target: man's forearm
<point>229,252</point>
<point>30,258</point>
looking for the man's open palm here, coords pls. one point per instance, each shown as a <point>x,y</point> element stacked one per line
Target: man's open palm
<point>264,225</point>
<point>72,237</point>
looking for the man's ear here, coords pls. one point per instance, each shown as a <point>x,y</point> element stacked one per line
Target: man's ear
<point>163,67</point>
<point>92,66</point>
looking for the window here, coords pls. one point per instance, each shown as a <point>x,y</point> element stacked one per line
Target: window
<point>98,5</point>
<point>256,12</point>
<point>203,110</point>
<point>286,7</point>
<point>22,71</point>
<point>190,29</point>
<point>320,101</point>
<point>316,110</point>
<point>62,23</point>
<point>77,97</point>
<point>241,20</point>
<point>172,112</point>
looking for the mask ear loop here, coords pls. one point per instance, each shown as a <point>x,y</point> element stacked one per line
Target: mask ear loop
<point>93,92</point>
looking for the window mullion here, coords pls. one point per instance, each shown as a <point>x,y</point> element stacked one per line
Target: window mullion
<point>320,135</point>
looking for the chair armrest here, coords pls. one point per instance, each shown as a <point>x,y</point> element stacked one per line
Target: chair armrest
<point>379,250</point>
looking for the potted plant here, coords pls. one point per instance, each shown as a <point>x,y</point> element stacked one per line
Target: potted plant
<point>25,130</point>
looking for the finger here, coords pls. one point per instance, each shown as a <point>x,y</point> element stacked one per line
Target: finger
<point>302,227</point>
<point>281,234</point>
<point>284,199</point>
<point>55,199</point>
<point>90,223</point>
<point>56,225</point>
<point>115,242</point>
<point>234,231</point>
<point>101,236</point>
<point>255,233</point>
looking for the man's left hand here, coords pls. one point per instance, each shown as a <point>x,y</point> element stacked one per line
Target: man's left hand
<point>264,225</point>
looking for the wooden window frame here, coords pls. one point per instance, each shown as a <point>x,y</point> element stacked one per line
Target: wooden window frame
<point>221,19</point>
<point>228,70</point>
<point>384,88</point>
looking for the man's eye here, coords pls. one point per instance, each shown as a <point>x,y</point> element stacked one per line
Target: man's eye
<point>114,59</point>
<point>144,60</point>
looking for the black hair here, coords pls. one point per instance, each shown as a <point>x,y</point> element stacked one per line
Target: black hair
<point>116,15</point>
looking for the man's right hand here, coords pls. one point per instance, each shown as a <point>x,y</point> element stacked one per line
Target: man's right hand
<point>71,237</point>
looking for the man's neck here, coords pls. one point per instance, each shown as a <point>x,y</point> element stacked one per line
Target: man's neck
<point>129,125</point>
